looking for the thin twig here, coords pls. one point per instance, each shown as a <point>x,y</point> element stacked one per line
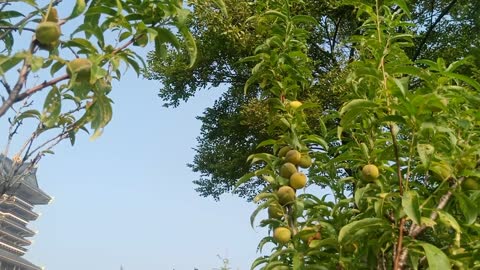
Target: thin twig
<point>22,78</point>
<point>39,87</point>
<point>430,29</point>
<point>17,28</point>
<point>415,229</point>
<point>6,85</point>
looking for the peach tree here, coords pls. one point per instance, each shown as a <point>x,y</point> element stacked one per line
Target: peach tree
<point>393,176</point>
<point>58,60</point>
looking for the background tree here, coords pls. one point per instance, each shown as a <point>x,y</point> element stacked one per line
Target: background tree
<point>442,28</point>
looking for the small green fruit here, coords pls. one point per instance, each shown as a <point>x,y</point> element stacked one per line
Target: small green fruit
<point>370,172</point>
<point>286,195</point>
<point>275,211</point>
<point>282,235</point>
<point>298,180</point>
<point>82,67</point>
<point>287,169</point>
<point>305,161</point>
<point>281,153</point>
<point>470,184</point>
<point>47,32</point>
<point>293,156</point>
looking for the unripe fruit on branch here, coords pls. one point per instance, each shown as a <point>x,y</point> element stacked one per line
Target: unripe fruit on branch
<point>82,67</point>
<point>305,161</point>
<point>47,33</point>
<point>298,180</point>
<point>370,172</point>
<point>307,234</point>
<point>293,156</point>
<point>295,104</point>
<point>282,235</point>
<point>281,153</point>
<point>287,169</point>
<point>470,184</point>
<point>286,195</point>
<point>275,211</point>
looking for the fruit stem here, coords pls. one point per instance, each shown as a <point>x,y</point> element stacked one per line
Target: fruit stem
<point>48,11</point>
<point>291,220</point>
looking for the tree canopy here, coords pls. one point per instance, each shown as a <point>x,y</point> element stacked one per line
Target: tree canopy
<point>234,125</point>
<point>399,157</point>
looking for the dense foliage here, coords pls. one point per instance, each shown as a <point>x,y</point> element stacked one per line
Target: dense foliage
<point>441,28</point>
<point>400,162</point>
<point>374,101</point>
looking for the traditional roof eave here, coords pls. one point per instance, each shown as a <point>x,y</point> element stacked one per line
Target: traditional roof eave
<point>25,177</point>
<point>17,260</point>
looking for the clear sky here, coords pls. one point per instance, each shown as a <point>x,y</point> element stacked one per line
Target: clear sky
<point>128,199</point>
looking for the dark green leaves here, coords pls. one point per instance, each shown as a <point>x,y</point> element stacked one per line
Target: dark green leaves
<point>468,207</point>
<point>78,9</point>
<point>354,109</point>
<point>411,206</point>
<point>437,260</point>
<point>359,229</point>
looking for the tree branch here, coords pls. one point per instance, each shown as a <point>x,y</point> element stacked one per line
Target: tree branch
<point>430,29</point>
<point>416,229</point>
<point>15,28</point>
<point>22,77</point>
<point>39,87</point>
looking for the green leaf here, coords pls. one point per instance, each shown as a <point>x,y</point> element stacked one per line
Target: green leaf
<point>52,107</point>
<point>359,228</point>
<point>267,142</point>
<point>449,220</point>
<point>425,152</point>
<point>437,260</point>
<point>277,14</point>
<point>259,208</point>
<point>403,6</point>
<point>468,207</point>
<point>304,19</point>
<point>7,63</point>
<point>245,178</point>
<point>221,5</point>
<point>353,109</point>
<point>165,35</point>
<point>28,114</point>
<point>359,192</point>
<point>190,44</point>
<point>78,9</point>
<point>259,261</point>
<point>56,67</point>
<point>317,140</point>
<point>357,104</point>
<point>411,206</point>
<point>298,261</point>
<point>465,79</point>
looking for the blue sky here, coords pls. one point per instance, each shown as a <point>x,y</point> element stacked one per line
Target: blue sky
<point>128,199</point>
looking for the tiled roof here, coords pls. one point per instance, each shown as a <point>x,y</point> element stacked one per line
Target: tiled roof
<point>17,260</point>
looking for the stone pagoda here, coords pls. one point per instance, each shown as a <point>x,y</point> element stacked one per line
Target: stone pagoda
<point>19,193</point>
